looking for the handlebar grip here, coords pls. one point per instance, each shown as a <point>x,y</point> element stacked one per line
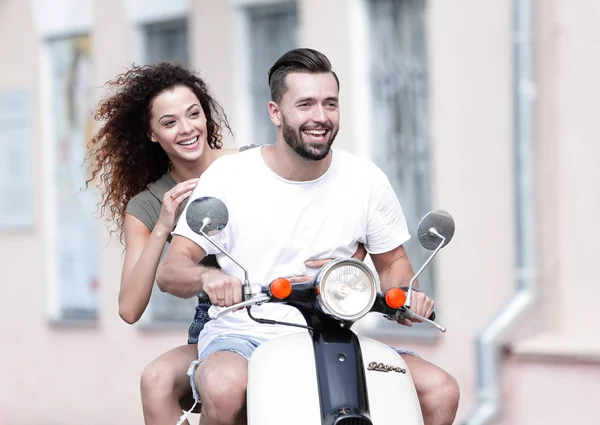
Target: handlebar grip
<point>203,298</point>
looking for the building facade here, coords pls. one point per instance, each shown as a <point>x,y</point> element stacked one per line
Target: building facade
<point>427,91</point>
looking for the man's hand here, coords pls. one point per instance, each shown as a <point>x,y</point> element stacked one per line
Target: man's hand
<point>422,305</point>
<point>222,289</point>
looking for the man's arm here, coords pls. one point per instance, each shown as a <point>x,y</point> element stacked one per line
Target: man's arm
<point>395,270</point>
<point>179,273</point>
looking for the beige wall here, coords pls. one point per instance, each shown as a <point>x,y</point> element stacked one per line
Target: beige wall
<point>552,376</point>
<point>213,53</point>
<point>576,92</point>
<point>550,391</point>
<point>22,303</point>
<point>57,374</point>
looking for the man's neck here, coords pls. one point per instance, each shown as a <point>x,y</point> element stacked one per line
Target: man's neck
<point>183,171</point>
<point>288,165</point>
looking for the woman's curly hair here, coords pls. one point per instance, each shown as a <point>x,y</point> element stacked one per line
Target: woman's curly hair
<point>121,153</point>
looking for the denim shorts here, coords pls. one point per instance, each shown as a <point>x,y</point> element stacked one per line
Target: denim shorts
<point>201,318</point>
<point>242,345</point>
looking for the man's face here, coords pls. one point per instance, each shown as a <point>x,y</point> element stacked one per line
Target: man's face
<point>310,114</point>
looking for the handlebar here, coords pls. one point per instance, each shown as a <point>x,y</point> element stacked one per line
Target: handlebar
<point>380,306</point>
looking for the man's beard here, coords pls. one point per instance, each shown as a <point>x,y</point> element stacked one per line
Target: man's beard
<point>312,151</point>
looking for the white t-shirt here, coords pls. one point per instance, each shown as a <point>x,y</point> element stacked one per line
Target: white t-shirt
<point>275,225</point>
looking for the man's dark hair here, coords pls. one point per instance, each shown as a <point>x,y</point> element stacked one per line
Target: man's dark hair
<point>298,60</point>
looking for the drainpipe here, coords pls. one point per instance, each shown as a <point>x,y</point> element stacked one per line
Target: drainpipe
<point>490,340</point>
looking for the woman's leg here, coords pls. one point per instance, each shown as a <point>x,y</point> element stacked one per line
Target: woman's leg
<point>164,382</point>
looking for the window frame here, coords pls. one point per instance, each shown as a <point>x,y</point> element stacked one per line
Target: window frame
<point>66,19</point>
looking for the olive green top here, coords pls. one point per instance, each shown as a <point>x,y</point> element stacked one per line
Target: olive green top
<point>146,205</point>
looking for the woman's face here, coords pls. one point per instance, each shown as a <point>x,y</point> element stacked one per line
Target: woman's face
<point>178,124</point>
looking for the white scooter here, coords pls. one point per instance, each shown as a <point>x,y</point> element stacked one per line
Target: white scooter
<point>328,375</point>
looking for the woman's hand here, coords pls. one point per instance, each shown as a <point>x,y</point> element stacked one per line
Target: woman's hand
<point>171,202</point>
<point>360,255</point>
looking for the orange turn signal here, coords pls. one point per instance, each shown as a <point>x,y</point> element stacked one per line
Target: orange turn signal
<point>395,298</point>
<point>281,288</point>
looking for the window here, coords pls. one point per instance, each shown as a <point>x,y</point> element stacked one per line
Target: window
<point>16,151</point>
<point>399,94</point>
<point>76,244</point>
<point>167,41</point>
<point>272,31</point>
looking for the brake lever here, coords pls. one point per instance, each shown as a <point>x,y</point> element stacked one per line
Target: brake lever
<point>407,313</point>
<point>255,300</point>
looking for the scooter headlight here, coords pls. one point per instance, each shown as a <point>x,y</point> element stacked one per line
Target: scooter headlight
<point>347,289</point>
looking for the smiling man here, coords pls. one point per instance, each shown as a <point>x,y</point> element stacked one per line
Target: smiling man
<point>296,199</point>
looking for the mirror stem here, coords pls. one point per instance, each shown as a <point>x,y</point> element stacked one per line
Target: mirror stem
<point>433,232</point>
<point>205,223</point>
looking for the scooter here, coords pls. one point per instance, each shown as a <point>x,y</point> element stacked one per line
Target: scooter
<point>328,375</point>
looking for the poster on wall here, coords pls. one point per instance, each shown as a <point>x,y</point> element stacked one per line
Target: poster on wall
<point>77,239</point>
<point>16,179</point>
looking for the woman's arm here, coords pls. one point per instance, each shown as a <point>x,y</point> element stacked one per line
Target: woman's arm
<point>143,250</point>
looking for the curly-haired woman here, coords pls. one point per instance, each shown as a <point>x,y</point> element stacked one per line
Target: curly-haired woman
<point>161,130</point>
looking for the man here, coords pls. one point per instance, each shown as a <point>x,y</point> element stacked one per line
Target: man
<point>290,201</point>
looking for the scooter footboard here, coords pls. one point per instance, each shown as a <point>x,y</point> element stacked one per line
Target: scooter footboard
<point>282,383</point>
<point>392,395</point>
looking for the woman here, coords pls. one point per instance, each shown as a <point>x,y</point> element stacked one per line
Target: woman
<point>161,130</point>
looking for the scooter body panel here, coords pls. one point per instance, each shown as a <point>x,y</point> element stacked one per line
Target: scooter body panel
<point>283,385</point>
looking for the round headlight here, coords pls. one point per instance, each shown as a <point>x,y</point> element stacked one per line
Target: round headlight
<point>347,289</point>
